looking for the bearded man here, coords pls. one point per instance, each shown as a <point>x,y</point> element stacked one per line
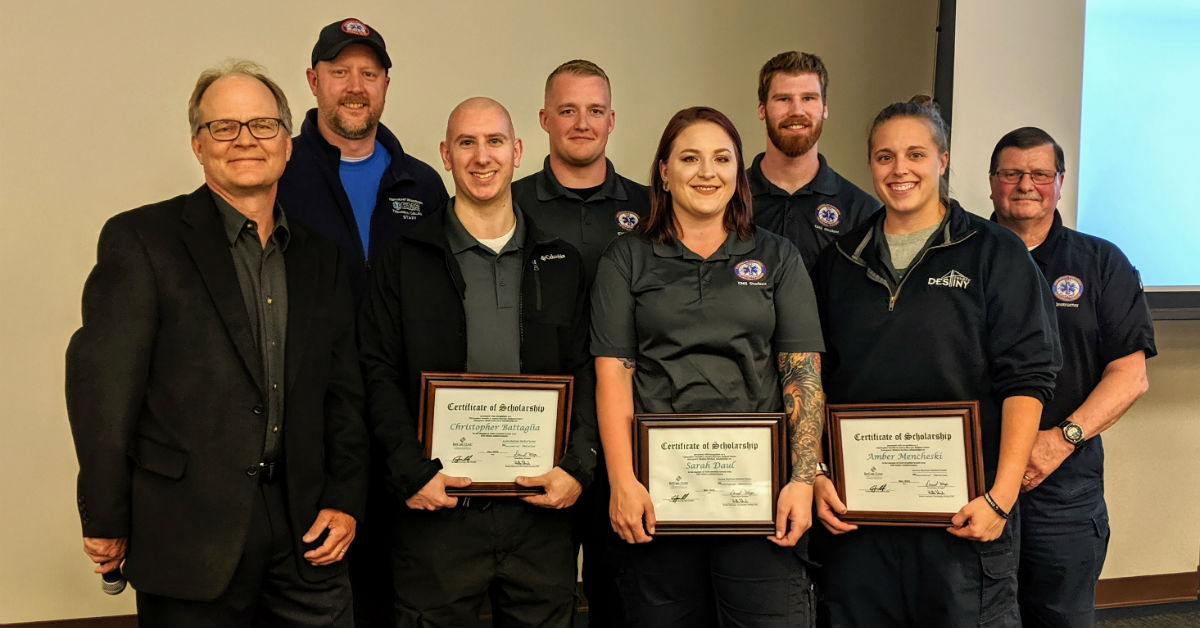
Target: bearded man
<point>796,194</point>
<point>350,181</point>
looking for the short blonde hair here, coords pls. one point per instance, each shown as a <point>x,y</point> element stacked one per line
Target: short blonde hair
<point>244,68</point>
<point>578,67</point>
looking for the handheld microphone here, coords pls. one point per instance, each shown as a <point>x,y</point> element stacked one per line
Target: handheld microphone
<point>113,582</point>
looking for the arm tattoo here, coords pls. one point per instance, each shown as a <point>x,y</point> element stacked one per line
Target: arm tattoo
<point>804,405</point>
<point>626,362</point>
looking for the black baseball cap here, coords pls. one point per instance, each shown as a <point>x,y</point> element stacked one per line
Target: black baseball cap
<point>336,36</point>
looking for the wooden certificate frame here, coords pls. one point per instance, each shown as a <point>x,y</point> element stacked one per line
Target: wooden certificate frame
<point>494,427</point>
<point>905,464</point>
<point>716,473</point>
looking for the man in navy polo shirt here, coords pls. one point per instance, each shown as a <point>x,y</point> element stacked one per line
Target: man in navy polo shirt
<point>797,194</point>
<point>1106,337</point>
<point>350,181</point>
<point>579,197</point>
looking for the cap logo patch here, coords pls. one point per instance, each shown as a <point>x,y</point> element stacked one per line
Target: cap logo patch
<point>750,270</point>
<point>627,220</point>
<point>829,215</point>
<point>355,27</point>
<point>1068,288</point>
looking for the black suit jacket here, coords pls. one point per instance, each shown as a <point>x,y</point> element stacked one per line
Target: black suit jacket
<point>166,398</point>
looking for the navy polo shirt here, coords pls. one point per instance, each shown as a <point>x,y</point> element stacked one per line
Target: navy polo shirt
<point>1102,312</point>
<point>588,224</point>
<point>820,212</point>
<point>704,332</point>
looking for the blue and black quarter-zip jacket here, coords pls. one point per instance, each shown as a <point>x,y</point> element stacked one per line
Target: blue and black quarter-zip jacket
<point>311,193</point>
<point>972,319</point>
<point>413,320</point>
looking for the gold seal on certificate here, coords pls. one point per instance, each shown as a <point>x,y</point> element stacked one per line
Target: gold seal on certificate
<point>492,428</point>
<point>711,473</point>
<point>905,463</point>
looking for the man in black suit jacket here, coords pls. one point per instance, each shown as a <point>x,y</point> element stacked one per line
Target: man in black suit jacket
<point>213,389</point>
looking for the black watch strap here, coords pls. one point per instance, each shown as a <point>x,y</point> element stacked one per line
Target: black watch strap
<point>1072,432</point>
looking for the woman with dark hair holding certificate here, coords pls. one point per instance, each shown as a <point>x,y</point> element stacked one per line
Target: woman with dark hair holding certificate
<point>699,312</point>
<point>928,303</point>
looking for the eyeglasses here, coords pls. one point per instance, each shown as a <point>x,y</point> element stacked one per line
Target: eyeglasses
<point>229,130</point>
<point>1039,177</point>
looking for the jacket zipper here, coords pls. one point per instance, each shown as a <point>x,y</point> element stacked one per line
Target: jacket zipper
<point>537,285</point>
<point>892,296</point>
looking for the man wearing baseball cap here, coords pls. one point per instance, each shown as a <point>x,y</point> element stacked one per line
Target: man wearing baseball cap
<point>349,178</point>
<point>350,181</point>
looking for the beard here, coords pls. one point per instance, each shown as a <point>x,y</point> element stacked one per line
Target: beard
<point>794,145</point>
<point>348,130</point>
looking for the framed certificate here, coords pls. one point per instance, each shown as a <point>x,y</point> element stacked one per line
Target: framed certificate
<point>711,473</point>
<point>492,428</point>
<point>913,464</point>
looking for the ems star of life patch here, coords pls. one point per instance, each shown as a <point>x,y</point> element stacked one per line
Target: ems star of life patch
<point>627,220</point>
<point>750,270</point>
<point>1068,288</point>
<point>829,215</point>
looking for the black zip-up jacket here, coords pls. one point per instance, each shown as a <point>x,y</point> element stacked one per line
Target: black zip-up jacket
<point>311,193</point>
<point>972,319</point>
<point>413,320</point>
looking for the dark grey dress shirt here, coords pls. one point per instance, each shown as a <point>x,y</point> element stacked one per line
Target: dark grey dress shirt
<point>262,277</point>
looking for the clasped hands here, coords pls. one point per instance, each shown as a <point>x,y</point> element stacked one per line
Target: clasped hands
<point>561,490</point>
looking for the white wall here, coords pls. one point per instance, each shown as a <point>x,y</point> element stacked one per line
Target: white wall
<point>1017,63</point>
<point>1020,63</point>
<point>92,122</point>
<point>1152,464</point>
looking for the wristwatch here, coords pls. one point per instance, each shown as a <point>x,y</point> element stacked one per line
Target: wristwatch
<point>1072,432</point>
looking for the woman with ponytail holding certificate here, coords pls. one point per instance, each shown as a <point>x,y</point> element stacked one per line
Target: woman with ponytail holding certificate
<point>928,303</point>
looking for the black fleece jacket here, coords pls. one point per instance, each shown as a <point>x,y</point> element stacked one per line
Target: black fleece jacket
<point>413,320</point>
<point>972,319</point>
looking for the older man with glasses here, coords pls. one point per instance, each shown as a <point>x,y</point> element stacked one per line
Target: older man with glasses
<point>1106,335</point>
<point>214,392</point>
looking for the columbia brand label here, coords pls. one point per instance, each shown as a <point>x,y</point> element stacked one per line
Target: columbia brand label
<point>829,215</point>
<point>552,256</point>
<point>627,220</point>
<point>750,270</point>
<point>952,279</point>
<point>410,208</point>
<point>1068,288</point>
<point>355,27</point>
